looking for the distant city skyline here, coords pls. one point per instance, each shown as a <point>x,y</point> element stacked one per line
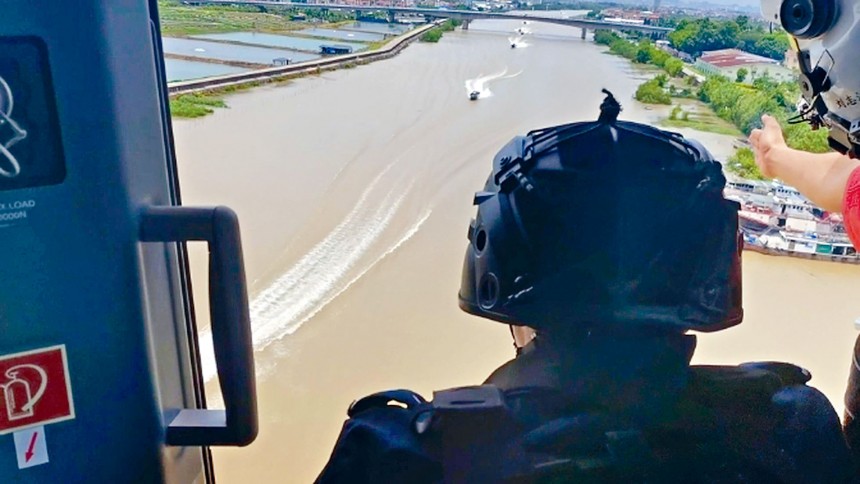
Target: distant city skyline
<point>750,7</point>
<point>740,3</point>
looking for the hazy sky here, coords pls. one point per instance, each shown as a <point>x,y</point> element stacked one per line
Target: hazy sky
<point>744,3</point>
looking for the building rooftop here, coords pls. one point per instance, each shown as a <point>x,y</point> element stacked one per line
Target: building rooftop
<point>733,57</point>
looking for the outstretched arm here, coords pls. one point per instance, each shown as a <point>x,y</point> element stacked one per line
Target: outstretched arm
<point>822,177</point>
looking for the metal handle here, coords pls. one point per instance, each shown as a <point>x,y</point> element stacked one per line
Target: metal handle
<point>231,323</point>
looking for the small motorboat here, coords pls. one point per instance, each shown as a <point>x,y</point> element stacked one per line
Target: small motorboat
<point>473,96</point>
<point>513,45</point>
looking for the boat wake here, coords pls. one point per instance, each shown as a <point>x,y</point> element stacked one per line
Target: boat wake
<point>518,42</point>
<point>324,272</point>
<point>481,84</point>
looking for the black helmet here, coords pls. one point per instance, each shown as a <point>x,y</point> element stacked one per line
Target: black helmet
<point>602,225</point>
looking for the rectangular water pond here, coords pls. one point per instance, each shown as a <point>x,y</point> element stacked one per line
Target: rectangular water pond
<point>231,52</point>
<point>284,41</point>
<point>183,70</point>
<point>378,27</point>
<point>342,34</point>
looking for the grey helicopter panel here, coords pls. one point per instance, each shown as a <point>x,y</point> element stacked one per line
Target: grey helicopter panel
<point>31,151</point>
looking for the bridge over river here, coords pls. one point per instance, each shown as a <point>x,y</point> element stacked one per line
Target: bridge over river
<point>465,15</point>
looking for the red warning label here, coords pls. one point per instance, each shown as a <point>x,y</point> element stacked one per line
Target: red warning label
<point>34,389</point>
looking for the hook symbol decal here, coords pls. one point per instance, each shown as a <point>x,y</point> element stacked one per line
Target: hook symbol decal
<point>35,389</point>
<point>10,167</point>
<point>18,391</point>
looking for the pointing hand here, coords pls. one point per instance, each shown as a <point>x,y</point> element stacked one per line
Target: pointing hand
<point>766,143</point>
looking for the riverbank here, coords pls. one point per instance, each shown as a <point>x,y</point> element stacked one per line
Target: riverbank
<point>671,84</point>
<point>801,255</point>
<point>197,98</point>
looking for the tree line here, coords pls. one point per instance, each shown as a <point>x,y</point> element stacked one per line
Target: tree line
<point>643,52</point>
<point>695,36</point>
<point>434,34</point>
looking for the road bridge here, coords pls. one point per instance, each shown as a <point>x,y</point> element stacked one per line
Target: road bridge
<point>465,15</point>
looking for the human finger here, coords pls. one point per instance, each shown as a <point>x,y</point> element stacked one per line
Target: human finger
<point>770,122</point>
<point>755,136</point>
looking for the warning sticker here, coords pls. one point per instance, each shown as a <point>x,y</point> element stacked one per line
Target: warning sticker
<point>31,448</point>
<point>35,389</point>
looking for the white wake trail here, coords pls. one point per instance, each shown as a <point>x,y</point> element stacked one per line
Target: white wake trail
<point>319,276</point>
<point>481,83</point>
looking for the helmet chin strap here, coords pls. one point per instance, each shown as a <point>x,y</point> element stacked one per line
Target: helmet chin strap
<point>522,335</point>
<point>814,80</point>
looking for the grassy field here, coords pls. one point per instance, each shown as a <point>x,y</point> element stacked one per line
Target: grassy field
<point>195,105</point>
<point>696,115</point>
<point>711,124</point>
<point>179,20</point>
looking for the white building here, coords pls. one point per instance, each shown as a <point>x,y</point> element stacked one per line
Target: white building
<point>727,63</point>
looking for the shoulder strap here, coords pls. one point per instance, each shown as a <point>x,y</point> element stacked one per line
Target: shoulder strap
<point>381,443</point>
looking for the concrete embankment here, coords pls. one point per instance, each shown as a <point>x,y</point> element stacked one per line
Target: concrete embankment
<point>270,74</point>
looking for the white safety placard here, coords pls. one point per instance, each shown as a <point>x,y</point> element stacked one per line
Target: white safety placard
<point>31,448</point>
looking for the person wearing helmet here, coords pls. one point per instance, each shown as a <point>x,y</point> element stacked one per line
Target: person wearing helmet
<point>826,39</point>
<point>611,240</point>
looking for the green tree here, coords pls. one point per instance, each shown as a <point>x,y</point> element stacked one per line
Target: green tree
<point>673,66</point>
<point>747,40</point>
<point>700,35</point>
<point>742,163</point>
<point>650,92</point>
<point>604,37</point>
<point>772,45</point>
<point>727,35</point>
<point>742,74</point>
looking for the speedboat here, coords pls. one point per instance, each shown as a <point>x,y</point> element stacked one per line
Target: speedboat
<point>513,45</point>
<point>473,96</point>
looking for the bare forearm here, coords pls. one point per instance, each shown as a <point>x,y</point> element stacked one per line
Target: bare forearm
<point>821,177</point>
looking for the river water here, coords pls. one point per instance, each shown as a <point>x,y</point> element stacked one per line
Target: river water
<point>354,193</point>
